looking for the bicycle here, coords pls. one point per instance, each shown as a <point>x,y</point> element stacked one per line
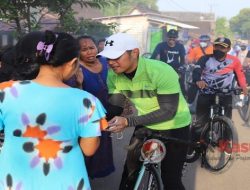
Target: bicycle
<point>242,103</point>
<point>187,71</point>
<point>153,152</point>
<point>219,136</point>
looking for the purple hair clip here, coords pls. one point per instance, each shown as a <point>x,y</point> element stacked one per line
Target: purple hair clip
<point>41,46</point>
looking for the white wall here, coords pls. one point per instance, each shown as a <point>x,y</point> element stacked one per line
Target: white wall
<point>136,26</point>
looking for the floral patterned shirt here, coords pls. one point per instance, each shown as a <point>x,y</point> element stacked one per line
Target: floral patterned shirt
<point>42,126</point>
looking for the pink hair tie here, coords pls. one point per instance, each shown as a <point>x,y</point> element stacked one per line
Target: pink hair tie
<point>41,46</point>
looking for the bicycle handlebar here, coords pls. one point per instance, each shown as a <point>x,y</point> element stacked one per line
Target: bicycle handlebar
<point>236,91</point>
<point>142,134</point>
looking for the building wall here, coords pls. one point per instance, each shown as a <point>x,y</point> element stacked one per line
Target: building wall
<point>205,22</point>
<point>205,27</point>
<point>7,39</point>
<point>136,26</point>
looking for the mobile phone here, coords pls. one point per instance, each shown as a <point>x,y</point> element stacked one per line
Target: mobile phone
<point>110,127</point>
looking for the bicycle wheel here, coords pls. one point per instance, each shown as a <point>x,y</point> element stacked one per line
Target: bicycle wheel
<point>150,179</point>
<point>192,155</point>
<point>244,111</point>
<point>220,137</point>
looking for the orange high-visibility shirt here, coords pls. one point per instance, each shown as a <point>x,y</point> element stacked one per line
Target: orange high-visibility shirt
<point>196,53</point>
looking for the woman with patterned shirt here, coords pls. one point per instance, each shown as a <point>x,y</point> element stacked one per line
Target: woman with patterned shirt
<point>47,124</point>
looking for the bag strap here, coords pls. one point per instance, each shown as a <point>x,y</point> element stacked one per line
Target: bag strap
<point>203,51</point>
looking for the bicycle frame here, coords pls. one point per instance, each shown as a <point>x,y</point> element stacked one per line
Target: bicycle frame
<point>215,110</point>
<point>212,133</point>
<point>152,160</point>
<point>147,166</point>
<point>141,173</point>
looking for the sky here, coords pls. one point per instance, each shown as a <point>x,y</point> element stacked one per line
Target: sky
<point>221,8</point>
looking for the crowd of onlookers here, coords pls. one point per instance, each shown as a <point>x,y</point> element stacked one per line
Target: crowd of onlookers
<point>195,47</point>
<point>62,96</point>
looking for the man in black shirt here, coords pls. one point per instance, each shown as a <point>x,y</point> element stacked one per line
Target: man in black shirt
<point>171,52</point>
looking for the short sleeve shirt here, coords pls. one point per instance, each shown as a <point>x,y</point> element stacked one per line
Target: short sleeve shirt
<point>42,125</point>
<point>170,55</point>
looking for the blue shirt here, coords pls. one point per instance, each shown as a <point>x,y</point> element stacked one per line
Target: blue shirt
<point>96,83</point>
<point>42,125</point>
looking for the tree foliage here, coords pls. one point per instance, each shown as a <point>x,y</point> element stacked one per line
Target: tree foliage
<point>222,28</point>
<point>23,13</point>
<point>124,6</point>
<point>86,27</point>
<point>27,14</point>
<point>95,29</point>
<point>241,23</point>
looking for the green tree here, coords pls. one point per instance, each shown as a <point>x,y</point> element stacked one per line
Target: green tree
<point>27,14</point>
<point>223,28</point>
<point>94,29</point>
<point>241,23</point>
<point>64,7</point>
<point>23,13</point>
<point>86,27</point>
<point>124,6</point>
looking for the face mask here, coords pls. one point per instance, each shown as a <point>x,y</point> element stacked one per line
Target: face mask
<point>243,48</point>
<point>218,55</point>
<point>203,44</point>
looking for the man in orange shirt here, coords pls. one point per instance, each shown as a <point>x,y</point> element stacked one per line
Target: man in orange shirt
<point>204,48</point>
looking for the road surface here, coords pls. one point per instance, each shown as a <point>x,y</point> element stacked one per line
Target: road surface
<point>236,177</point>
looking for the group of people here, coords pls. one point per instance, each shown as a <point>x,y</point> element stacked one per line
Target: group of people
<point>215,68</point>
<point>48,126</point>
<point>62,99</point>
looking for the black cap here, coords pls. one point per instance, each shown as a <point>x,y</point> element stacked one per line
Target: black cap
<point>204,37</point>
<point>225,42</point>
<point>172,33</point>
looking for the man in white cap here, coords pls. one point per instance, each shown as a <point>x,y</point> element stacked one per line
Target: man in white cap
<point>153,88</point>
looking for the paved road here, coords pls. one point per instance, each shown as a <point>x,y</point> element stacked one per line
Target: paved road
<point>237,177</point>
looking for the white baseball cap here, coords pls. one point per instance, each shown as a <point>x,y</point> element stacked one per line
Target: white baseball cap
<point>118,44</point>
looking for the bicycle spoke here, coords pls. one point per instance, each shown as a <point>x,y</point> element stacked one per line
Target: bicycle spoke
<point>219,141</point>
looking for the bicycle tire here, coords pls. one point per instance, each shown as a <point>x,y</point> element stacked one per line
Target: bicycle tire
<point>244,111</point>
<point>192,156</point>
<point>187,80</point>
<point>224,137</point>
<point>151,179</point>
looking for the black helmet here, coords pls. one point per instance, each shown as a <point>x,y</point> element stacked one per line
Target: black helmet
<point>204,38</point>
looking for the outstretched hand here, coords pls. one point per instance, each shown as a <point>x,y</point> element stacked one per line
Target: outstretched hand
<point>201,84</point>
<point>117,124</point>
